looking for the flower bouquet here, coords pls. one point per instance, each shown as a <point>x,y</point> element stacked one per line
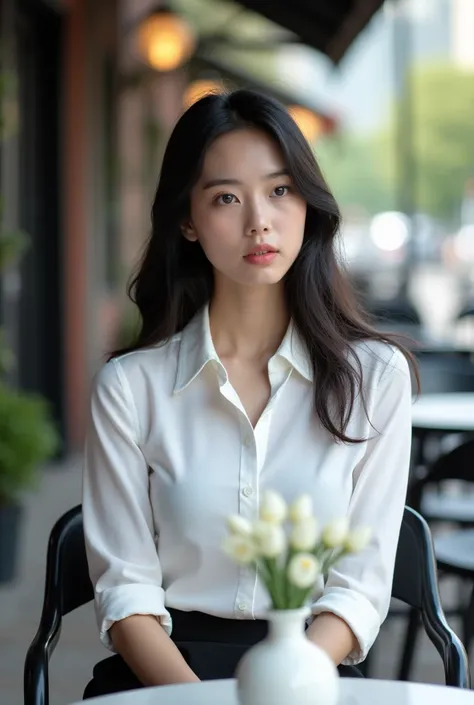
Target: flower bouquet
<point>289,551</point>
<point>290,562</point>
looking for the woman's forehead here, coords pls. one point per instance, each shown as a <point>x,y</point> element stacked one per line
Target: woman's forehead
<point>242,150</point>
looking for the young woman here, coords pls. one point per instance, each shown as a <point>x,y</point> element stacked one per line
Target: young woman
<point>254,368</point>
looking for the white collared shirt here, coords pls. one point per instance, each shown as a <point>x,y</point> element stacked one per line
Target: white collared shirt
<point>170,453</point>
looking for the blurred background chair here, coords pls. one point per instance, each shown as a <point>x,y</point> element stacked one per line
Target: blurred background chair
<point>467,311</point>
<point>398,310</point>
<point>463,325</point>
<point>398,315</point>
<point>445,372</point>
<point>439,373</point>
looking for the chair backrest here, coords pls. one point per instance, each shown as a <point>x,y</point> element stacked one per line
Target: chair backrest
<point>466,311</point>
<point>68,585</point>
<point>445,373</point>
<point>414,580</point>
<point>415,583</point>
<point>458,464</point>
<point>394,311</point>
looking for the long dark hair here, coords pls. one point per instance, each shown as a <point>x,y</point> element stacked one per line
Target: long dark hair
<point>175,279</point>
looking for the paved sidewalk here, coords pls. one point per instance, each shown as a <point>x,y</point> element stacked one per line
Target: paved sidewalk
<point>79,648</point>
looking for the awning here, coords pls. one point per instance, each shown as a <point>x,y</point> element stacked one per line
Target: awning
<point>330,26</point>
<point>280,91</point>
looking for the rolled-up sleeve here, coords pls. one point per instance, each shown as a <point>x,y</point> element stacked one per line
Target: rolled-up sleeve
<point>358,588</point>
<point>118,521</point>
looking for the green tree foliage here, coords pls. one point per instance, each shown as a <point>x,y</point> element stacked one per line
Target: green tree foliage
<point>354,171</point>
<point>443,108</point>
<point>442,135</point>
<point>363,170</point>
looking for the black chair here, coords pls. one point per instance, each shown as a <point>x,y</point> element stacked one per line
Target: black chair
<point>454,550</point>
<point>415,584</point>
<point>442,372</point>
<point>68,587</point>
<point>436,505</point>
<point>398,310</point>
<point>467,311</point>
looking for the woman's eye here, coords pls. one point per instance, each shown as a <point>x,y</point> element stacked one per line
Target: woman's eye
<point>225,199</point>
<point>281,190</point>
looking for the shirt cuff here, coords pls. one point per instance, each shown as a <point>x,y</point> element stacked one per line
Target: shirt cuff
<point>357,612</point>
<point>122,601</point>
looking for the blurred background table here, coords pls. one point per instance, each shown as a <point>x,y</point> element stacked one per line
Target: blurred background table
<point>447,412</point>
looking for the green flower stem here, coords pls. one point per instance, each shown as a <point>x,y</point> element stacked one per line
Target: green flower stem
<point>319,551</point>
<point>331,558</point>
<point>275,575</point>
<point>289,587</point>
<point>263,569</point>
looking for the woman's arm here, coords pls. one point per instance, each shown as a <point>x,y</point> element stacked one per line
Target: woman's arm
<point>358,588</point>
<point>120,538</point>
<point>333,635</point>
<point>148,650</point>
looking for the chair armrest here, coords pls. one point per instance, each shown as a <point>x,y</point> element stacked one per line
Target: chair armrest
<point>36,671</point>
<point>451,650</point>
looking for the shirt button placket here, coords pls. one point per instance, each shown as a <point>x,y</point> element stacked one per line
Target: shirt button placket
<point>248,497</point>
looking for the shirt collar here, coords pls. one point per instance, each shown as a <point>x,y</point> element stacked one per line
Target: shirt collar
<point>196,350</point>
<point>293,350</point>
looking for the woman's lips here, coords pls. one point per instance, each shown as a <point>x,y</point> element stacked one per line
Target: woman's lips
<point>261,257</point>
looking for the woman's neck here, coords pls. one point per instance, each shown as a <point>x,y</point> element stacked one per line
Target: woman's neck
<point>248,323</point>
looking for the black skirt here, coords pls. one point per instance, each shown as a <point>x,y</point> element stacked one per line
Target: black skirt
<point>212,646</point>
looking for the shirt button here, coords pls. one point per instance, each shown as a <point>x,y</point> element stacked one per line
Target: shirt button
<point>242,606</point>
<point>247,491</point>
<point>248,441</point>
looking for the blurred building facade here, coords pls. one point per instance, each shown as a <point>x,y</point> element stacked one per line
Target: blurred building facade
<point>58,65</point>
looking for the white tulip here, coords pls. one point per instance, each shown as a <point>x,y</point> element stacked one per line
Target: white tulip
<point>270,539</point>
<point>304,534</point>
<point>357,539</point>
<point>273,507</point>
<point>301,508</point>
<point>239,525</point>
<point>303,570</point>
<point>335,533</point>
<point>240,548</point>
<point>260,529</point>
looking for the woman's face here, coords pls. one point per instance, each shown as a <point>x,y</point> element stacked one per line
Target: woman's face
<point>245,212</point>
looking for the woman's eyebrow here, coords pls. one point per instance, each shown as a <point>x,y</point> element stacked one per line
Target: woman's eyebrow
<point>236,182</point>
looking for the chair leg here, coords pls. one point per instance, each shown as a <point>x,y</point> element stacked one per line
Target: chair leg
<point>468,623</point>
<point>409,645</point>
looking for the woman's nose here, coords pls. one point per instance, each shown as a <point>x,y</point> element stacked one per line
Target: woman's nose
<point>258,222</point>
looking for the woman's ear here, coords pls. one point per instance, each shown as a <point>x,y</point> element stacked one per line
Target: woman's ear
<point>188,231</point>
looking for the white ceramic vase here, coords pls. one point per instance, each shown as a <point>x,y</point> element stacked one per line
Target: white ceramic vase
<point>286,668</point>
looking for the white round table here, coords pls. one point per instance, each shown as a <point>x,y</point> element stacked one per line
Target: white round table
<point>444,412</point>
<point>354,691</point>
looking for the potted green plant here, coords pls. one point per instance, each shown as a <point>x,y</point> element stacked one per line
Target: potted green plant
<point>28,436</point>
